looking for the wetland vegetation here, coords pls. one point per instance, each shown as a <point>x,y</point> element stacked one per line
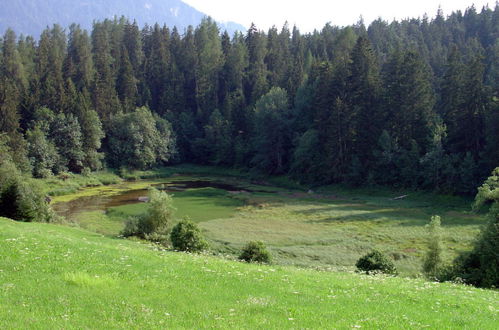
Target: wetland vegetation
<point>329,228</point>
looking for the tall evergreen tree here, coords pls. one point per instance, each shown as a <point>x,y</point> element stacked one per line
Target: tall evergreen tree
<point>409,100</point>
<point>13,83</point>
<point>105,100</point>
<point>126,84</point>
<point>364,92</point>
<point>51,55</point>
<point>209,64</point>
<point>255,84</point>
<point>78,64</point>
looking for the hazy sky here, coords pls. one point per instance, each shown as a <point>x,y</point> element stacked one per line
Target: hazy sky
<point>311,14</point>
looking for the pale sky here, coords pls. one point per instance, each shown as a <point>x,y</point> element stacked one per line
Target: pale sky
<point>314,14</point>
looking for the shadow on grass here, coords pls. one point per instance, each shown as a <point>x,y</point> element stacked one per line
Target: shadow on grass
<point>400,217</point>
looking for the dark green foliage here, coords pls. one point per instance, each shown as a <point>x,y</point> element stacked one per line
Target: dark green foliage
<point>409,104</point>
<point>20,198</point>
<point>273,136</point>
<point>42,153</point>
<point>307,158</point>
<point>409,99</point>
<point>186,236</point>
<point>216,146</point>
<point>104,95</point>
<point>139,140</point>
<point>480,266</point>
<point>375,262</point>
<point>92,134</point>
<point>65,132</point>
<point>255,251</point>
<point>364,89</point>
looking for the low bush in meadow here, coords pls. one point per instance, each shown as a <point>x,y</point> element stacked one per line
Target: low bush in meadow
<point>375,262</point>
<point>186,236</point>
<point>255,251</point>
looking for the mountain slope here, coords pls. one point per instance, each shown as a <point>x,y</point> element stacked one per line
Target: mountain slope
<point>59,277</point>
<point>32,16</point>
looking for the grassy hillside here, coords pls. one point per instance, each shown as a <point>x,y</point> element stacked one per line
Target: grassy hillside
<point>60,277</point>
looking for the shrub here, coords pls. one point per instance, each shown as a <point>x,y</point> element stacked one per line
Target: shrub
<point>21,198</point>
<point>155,222</point>
<point>131,227</point>
<point>255,251</point>
<point>432,264</point>
<point>186,236</point>
<point>375,262</point>
<point>480,266</point>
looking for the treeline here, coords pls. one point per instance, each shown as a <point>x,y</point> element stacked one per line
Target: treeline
<point>409,104</point>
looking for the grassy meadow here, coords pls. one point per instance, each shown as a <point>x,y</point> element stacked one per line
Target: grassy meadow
<point>56,276</point>
<point>329,228</point>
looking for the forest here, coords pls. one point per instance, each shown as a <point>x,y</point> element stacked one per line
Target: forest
<point>406,104</point>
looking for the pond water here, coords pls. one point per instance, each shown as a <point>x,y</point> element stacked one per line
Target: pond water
<point>103,200</point>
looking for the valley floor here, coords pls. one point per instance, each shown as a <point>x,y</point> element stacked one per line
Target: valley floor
<point>329,228</point>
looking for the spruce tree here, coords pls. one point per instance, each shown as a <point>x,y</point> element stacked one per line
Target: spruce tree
<point>104,97</point>
<point>364,91</point>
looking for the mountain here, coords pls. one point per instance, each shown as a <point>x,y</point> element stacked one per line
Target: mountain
<point>30,17</point>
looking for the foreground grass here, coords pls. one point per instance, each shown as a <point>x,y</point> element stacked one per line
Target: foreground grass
<point>60,277</point>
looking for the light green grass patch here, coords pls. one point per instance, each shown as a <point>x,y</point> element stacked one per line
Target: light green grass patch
<point>335,233</point>
<point>99,222</point>
<point>61,277</point>
<point>86,280</point>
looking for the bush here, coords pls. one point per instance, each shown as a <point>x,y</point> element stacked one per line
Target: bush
<point>255,251</point>
<point>375,262</point>
<point>432,264</point>
<point>480,266</point>
<point>131,227</point>
<point>21,198</point>
<point>186,236</point>
<point>154,223</point>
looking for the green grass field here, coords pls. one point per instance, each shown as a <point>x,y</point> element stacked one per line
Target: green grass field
<point>328,229</point>
<point>54,276</point>
<point>334,230</point>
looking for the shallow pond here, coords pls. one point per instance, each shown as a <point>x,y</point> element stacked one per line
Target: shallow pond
<point>188,194</point>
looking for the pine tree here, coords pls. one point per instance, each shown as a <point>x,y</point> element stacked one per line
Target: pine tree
<point>472,118</point>
<point>105,100</point>
<point>451,98</point>
<point>408,100</point>
<point>78,64</point>
<point>156,67</point>
<point>50,55</point>
<point>13,84</point>
<point>255,84</point>
<point>209,64</point>
<point>364,91</point>
<point>272,138</point>
<point>188,62</point>
<point>126,84</point>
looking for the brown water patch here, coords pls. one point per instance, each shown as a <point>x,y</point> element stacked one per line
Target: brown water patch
<point>102,201</point>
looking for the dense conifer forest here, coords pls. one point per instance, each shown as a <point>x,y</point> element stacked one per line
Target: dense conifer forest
<point>412,103</point>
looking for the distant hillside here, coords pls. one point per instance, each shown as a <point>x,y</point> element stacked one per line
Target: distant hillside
<point>30,17</point>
